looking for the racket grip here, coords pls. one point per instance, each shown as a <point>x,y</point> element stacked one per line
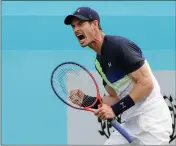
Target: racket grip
<point>122,131</point>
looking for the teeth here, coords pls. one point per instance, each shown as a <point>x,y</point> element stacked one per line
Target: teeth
<point>79,34</point>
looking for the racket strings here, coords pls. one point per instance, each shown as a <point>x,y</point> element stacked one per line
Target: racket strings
<point>88,101</point>
<point>76,99</point>
<point>70,78</point>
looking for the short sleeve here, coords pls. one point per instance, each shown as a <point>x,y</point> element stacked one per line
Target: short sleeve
<point>132,57</point>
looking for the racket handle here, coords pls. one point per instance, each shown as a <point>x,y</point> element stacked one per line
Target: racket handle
<point>122,131</point>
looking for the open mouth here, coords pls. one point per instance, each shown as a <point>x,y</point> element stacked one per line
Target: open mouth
<point>80,37</point>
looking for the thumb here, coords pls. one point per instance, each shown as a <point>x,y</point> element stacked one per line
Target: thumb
<point>100,105</point>
<point>96,112</point>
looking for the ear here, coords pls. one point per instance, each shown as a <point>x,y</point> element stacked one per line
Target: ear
<point>95,24</point>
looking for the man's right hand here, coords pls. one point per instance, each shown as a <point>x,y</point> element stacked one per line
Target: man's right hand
<point>76,97</point>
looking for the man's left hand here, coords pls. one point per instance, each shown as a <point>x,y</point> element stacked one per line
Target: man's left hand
<point>104,112</point>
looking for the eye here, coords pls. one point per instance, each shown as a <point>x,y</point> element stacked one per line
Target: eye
<point>80,23</point>
<point>73,26</point>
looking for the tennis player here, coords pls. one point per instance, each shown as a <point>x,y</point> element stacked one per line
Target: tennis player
<point>132,88</point>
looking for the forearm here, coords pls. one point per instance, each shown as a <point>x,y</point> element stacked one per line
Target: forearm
<point>111,97</point>
<point>110,100</point>
<point>138,92</point>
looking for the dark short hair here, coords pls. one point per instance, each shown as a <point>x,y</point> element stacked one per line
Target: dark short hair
<point>99,26</point>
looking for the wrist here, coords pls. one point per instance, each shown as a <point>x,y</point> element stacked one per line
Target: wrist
<point>122,105</point>
<point>89,100</point>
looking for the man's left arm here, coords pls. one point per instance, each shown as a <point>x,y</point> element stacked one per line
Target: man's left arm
<point>142,88</point>
<point>143,83</point>
<point>134,65</point>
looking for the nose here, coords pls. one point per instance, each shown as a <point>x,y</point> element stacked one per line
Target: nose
<point>76,29</point>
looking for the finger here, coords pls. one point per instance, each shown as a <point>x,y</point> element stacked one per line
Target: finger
<point>78,91</point>
<point>72,97</point>
<point>101,113</point>
<point>77,101</point>
<point>102,117</point>
<point>99,106</point>
<point>74,91</point>
<point>96,112</point>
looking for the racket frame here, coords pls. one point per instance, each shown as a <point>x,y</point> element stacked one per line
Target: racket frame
<point>88,108</point>
<point>114,122</point>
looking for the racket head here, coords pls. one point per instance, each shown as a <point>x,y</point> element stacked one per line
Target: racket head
<point>70,76</point>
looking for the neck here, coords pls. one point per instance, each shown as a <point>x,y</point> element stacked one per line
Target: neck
<point>97,42</point>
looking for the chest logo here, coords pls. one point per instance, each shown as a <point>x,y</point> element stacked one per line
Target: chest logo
<point>109,64</point>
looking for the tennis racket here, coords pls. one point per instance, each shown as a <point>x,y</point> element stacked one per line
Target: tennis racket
<point>71,82</point>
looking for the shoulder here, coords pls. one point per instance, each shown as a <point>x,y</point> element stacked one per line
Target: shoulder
<point>112,43</point>
<point>115,40</point>
<point>117,44</point>
<point>126,46</point>
<point>119,41</point>
<point>126,52</point>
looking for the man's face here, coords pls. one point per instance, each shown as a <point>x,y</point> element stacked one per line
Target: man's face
<point>84,31</point>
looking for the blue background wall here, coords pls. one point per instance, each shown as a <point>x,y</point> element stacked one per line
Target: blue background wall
<point>35,40</point>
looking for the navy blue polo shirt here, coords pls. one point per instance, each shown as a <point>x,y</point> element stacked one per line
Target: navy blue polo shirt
<point>119,57</point>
